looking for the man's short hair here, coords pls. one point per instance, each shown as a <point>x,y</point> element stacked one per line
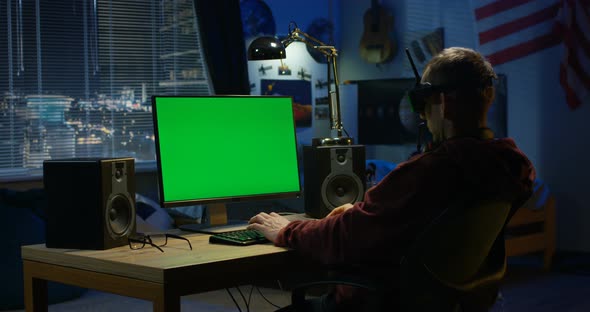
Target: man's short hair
<point>465,71</point>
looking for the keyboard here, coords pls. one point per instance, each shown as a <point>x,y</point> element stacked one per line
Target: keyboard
<point>239,238</point>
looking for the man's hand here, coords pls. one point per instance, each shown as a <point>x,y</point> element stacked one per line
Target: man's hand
<point>340,209</point>
<point>268,224</point>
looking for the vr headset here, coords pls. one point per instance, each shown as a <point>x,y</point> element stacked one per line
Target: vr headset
<point>419,94</point>
<point>422,90</point>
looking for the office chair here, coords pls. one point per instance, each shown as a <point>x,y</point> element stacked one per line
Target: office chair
<point>454,265</point>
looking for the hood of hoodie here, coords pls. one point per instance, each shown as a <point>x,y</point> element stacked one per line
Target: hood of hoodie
<point>481,161</point>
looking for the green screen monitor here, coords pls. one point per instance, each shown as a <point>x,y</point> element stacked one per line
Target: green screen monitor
<point>220,149</point>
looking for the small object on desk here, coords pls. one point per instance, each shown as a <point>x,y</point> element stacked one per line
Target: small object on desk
<point>239,238</point>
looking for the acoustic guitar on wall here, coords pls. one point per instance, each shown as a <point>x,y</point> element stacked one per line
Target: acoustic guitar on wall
<point>376,45</point>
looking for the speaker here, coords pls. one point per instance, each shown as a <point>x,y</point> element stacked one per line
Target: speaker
<point>332,176</point>
<point>91,202</point>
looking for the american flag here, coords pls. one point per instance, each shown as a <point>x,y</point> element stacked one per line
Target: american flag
<point>511,29</point>
<point>574,25</point>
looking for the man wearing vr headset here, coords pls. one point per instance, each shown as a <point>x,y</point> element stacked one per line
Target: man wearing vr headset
<point>455,95</point>
<point>464,159</point>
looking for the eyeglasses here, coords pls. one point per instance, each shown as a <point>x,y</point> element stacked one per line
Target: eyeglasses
<point>139,240</point>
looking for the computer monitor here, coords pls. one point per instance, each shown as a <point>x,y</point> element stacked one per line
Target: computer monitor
<point>218,149</point>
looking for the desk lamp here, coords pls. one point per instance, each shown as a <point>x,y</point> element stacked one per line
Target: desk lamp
<point>269,47</point>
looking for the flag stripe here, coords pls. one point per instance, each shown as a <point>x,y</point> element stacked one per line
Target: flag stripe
<point>512,14</point>
<point>574,25</point>
<point>518,24</point>
<point>574,63</point>
<point>570,95</point>
<point>576,39</point>
<point>511,29</point>
<point>517,38</point>
<point>581,26</point>
<point>579,39</point>
<point>497,7</point>
<point>523,49</point>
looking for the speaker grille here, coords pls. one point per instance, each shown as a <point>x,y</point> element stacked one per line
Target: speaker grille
<point>341,189</point>
<point>333,176</point>
<point>119,215</point>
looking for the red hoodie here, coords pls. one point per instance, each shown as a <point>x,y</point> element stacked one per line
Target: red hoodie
<point>374,233</point>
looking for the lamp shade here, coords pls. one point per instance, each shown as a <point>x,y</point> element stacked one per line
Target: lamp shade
<point>266,48</point>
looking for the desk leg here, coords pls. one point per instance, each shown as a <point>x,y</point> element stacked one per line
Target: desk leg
<point>167,302</point>
<point>35,291</point>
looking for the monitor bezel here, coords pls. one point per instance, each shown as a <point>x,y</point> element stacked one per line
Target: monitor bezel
<point>206,201</point>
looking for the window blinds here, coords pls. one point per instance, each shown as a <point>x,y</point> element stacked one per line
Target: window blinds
<point>79,76</point>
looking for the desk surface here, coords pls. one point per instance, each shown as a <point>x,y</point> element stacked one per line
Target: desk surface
<point>176,263</point>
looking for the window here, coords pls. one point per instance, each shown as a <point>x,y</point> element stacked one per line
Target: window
<point>78,76</point>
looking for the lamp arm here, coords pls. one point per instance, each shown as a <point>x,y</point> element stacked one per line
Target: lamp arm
<point>331,53</point>
<point>301,36</point>
<point>334,95</point>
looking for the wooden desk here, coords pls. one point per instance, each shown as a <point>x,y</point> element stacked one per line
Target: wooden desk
<point>152,275</point>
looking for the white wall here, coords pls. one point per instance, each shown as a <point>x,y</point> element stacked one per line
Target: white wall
<point>303,13</point>
<point>555,138</point>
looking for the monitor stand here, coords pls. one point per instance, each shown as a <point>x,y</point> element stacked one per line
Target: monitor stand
<point>218,222</point>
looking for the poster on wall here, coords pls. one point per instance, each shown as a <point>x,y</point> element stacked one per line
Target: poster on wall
<point>300,90</point>
<point>257,19</point>
<point>423,45</point>
<point>384,114</point>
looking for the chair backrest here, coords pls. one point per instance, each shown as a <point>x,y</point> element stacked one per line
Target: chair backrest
<point>457,243</point>
<point>445,260</point>
<point>451,257</point>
